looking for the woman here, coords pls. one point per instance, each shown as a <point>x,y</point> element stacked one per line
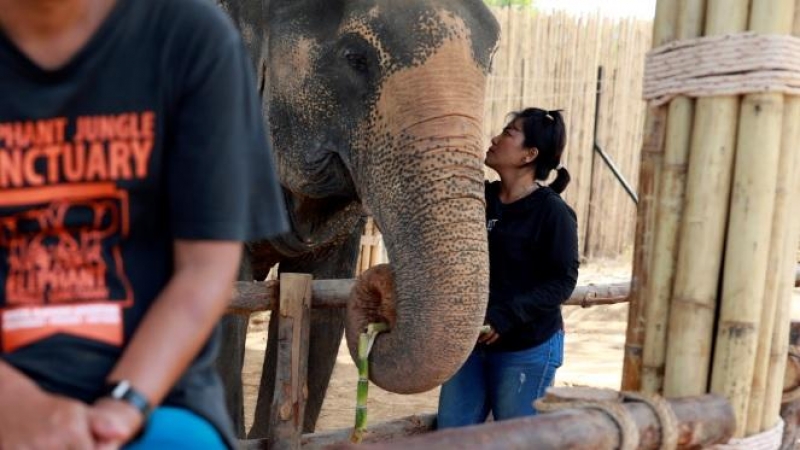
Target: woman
<point>134,163</point>
<point>533,268</point>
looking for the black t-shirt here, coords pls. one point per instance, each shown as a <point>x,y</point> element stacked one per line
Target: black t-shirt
<point>533,266</point>
<point>152,132</point>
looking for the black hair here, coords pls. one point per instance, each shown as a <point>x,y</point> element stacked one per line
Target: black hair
<point>546,131</point>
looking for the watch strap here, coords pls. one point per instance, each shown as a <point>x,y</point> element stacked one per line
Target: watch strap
<point>124,391</point>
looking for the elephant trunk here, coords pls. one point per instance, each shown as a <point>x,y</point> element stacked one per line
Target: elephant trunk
<point>430,207</point>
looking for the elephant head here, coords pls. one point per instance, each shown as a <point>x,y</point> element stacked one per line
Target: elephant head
<point>377,105</point>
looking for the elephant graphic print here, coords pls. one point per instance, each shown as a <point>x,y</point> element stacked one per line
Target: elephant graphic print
<point>65,218</point>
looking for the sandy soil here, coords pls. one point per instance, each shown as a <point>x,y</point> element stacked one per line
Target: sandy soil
<point>593,357</point>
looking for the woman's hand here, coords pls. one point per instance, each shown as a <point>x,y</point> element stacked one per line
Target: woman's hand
<point>32,419</point>
<point>114,423</point>
<point>488,337</point>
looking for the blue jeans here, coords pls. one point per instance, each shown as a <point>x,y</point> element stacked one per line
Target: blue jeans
<point>176,428</point>
<point>503,383</point>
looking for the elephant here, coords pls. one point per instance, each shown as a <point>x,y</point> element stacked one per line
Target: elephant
<point>375,107</point>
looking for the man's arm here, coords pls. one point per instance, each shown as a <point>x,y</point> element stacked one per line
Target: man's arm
<point>171,334</point>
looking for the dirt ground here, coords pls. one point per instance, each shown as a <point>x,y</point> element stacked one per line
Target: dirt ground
<point>593,357</point>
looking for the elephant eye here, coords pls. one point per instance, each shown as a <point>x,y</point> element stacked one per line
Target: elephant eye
<point>358,61</point>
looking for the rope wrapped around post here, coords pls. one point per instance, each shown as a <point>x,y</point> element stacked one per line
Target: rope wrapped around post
<point>742,63</point>
<point>611,402</point>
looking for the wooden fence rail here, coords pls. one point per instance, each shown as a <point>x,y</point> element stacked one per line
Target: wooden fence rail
<point>253,296</point>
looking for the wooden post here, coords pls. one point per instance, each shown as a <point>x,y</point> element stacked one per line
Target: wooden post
<point>288,405</point>
<point>649,175</point>
<point>669,208</point>
<point>700,249</point>
<point>786,200</point>
<point>776,282</point>
<point>748,235</point>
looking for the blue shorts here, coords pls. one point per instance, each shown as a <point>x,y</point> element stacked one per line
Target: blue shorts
<point>177,428</point>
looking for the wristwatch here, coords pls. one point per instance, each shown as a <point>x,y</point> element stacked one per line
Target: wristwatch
<point>124,391</point>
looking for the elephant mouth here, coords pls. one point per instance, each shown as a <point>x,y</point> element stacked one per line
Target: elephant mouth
<point>301,238</point>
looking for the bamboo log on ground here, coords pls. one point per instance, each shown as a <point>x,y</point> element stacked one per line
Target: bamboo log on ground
<point>669,208</point>
<point>649,175</point>
<point>705,213</point>
<point>779,21</point>
<point>748,238</point>
<point>703,421</point>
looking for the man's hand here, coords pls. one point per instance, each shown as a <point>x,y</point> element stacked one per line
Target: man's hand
<point>488,337</point>
<point>114,423</point>
<point>32,419</point>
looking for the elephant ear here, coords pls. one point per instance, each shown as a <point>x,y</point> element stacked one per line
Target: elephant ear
<point>251,19</point>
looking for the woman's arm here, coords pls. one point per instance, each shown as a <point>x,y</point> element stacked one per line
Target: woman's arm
<point>171,334</point>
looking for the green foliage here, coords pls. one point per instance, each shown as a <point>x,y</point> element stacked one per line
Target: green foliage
<point>521,3</point>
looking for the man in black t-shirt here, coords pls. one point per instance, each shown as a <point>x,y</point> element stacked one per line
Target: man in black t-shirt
<point>133,163</point>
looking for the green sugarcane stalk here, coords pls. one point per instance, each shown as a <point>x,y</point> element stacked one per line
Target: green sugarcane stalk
<point>365,341</point>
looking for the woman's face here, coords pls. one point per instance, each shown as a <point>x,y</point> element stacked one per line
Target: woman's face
<point>507,148</point>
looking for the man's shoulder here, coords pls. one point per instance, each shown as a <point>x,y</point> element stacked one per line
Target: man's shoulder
<point>200,19</point>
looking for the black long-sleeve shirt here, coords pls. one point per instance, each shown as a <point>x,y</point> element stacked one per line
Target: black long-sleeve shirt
<point>533,266</point>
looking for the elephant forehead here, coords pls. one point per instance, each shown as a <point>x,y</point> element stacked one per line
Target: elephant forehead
<point>407,37</point>
<point>412,99</point>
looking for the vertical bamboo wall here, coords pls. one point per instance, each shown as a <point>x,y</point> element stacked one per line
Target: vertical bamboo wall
<point>550,61</point>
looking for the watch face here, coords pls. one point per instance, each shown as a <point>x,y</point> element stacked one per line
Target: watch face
<point>120,389</point>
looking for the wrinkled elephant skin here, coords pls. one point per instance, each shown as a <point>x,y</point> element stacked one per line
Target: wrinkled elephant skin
<point>377,106</point>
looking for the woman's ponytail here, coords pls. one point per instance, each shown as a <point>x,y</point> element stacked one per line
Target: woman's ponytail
<point>562,180</point>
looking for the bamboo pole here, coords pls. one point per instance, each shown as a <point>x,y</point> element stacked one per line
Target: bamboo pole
<point>649,174</point>
<point>784,269</point>
<point>790,160</point>
<point>778,20</point>
<point>669,208</point>
<point>705,213</point>
<point>747,246</point>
